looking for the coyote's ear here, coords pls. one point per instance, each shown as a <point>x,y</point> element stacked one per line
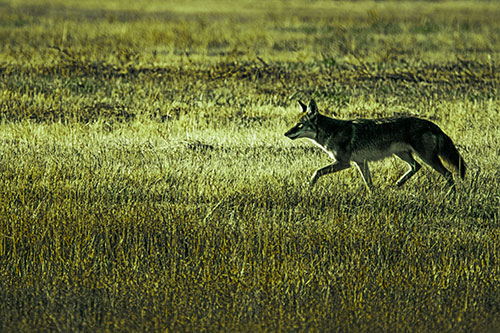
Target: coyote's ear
<point>313,108</point>
<point>303,106</point>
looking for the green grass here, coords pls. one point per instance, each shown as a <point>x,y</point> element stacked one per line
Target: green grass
<point>146,184</point>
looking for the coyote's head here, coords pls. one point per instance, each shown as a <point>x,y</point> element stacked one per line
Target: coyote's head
<point>307,124</point>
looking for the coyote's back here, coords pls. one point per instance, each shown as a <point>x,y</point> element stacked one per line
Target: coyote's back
<point>364,140</point>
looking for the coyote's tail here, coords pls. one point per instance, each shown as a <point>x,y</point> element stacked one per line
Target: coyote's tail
<point>449,153</point>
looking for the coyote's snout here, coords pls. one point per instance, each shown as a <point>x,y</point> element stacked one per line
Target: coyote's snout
<point>364,140</point>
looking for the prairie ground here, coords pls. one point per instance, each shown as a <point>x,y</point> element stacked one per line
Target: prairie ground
<point>146,184</point>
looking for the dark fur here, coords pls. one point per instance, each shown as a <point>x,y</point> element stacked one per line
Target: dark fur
<point>364,140</point>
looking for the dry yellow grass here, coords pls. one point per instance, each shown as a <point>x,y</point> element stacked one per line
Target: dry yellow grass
<point>145,182</point>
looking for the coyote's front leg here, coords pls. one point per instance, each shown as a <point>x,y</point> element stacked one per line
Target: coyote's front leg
<point>337,166</point>
<point>365,173</point>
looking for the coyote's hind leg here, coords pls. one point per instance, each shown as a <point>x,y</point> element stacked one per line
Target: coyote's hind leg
<point>414,167</point>
<point>434,161</point>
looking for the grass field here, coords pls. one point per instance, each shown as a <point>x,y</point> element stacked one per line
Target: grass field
<point>146,184</point>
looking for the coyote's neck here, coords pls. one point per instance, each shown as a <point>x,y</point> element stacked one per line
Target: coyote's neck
<point>330,133</point>
<point>328,128</point>
<point>330,152</point>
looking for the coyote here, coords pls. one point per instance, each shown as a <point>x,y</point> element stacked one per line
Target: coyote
<point>364,140</point>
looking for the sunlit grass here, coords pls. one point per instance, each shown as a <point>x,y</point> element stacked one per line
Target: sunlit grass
<point>146,183</point>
